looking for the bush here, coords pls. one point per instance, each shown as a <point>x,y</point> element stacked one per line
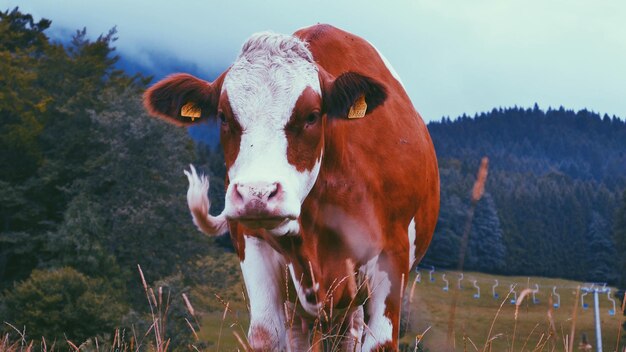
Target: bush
<point>63,303</point>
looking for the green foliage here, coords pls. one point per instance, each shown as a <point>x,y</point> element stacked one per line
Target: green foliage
<point>601,252</point>
<point>46,133</point>
<point>486,250</point>
<point>555,178</point>
<point>63,302</point>
<point>94,187</point>
<point>80,240</point>
<point>19,30</point>
<point>169,292</point>
<point>619,236</point>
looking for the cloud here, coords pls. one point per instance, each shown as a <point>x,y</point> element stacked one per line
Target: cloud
<point>454,56</point>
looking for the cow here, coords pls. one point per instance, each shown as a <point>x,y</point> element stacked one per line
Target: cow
<point>332,184</point>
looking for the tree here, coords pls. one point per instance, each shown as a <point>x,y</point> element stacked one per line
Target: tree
<point>81,241</point>
<point>140,186</point>
<point>46,92</point>
<point>486,250</point>
<point>444,248</point>
<point>97,186</point>
<point>63,302</point>
<point>600,250</point>
<point>619,235</point>
<point>549,171</point>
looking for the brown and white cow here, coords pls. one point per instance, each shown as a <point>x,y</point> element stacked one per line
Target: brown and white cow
<point>312,195</point>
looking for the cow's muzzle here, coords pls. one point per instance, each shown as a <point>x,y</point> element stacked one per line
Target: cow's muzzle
<point>259,205</point>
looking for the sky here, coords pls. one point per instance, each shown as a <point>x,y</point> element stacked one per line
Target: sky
<point>453,56</point>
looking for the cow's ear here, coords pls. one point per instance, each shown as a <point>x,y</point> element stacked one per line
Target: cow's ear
<point>182,99</point>
<point>352,95</point>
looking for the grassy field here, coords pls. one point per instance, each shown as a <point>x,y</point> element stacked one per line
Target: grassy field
<point>431,308</point>
<point>475,316</point>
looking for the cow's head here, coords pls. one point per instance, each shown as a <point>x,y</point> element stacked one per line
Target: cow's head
<point>273,104</point>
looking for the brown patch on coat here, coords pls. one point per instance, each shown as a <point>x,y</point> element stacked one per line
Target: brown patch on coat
<point>230,131</point>
<point>304,131</point>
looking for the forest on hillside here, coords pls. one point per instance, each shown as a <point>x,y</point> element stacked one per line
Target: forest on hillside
<point>553,196</point>
<point>90,187</point>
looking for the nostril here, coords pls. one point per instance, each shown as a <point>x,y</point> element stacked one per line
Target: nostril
<point>238,195</point>
<point>275,192</point>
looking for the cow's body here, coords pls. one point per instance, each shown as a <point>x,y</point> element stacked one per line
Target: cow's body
<point>366,220</point>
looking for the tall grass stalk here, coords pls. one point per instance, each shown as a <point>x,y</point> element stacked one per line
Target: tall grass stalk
<point>570,345</point>
<point>620,323</point>
<point>477,193</point>
<point>493,322</point>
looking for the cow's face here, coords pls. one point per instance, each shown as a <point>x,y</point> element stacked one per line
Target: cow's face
<point>273,105</point>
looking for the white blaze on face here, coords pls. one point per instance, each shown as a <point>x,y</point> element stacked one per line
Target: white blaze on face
<point>263,86</point>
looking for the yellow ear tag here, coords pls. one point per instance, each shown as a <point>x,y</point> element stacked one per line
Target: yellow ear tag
<point>191,111</point>
<point>359,108</point>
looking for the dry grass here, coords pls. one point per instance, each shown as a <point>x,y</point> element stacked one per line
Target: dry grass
<point>153,339</point>
<point>486,324</point>
<point>493,323</point>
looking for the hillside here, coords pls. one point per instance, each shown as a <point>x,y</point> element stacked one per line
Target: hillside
<point>555,183</point>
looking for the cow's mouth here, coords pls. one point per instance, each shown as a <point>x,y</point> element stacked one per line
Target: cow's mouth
<point>268,223</point>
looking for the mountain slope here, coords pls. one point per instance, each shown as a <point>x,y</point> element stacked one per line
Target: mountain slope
<point>555,179</point>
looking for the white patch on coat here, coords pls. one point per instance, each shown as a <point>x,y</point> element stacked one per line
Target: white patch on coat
<point>411,244</point>
<point>352,341</point>
<point>312,309</point>
<point>359,230</point>
<point>263,86</point>
<point>380,328</point>
<point>388,64</point>
<point>263,275</point>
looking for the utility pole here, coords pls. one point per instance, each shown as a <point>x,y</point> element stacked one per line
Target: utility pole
<point>596,289</point>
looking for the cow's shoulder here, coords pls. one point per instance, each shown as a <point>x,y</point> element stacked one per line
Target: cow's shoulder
<point>317,32</point>
<point>338,51</point>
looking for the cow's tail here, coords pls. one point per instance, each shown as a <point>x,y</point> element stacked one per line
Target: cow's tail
<point>199,204</point>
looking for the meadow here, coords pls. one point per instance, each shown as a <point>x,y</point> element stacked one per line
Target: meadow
<point>430,310</point>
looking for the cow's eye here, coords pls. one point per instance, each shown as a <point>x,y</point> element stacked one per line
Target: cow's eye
<point>222,117</point>
<point>312,118</point>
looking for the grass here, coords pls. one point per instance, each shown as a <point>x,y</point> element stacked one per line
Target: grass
<point>474,317</point>
<point>483,324</point>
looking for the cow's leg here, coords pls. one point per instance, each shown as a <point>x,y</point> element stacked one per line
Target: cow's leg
<point>353,332</point>
<point>298,332</point>
<point>384,274</point>
<point>262,269</point>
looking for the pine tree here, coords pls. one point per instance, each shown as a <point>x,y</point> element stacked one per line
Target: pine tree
<point>600,251</point>
<point>444,248</point>
<point>486,249</point>
<point>619,236</point>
